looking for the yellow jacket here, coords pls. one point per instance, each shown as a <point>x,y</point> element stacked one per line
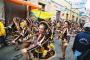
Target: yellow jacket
<point>2,29</point>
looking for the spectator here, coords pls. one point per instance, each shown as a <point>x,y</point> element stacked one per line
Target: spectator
<point>2,33</point>
<point>82,42</point>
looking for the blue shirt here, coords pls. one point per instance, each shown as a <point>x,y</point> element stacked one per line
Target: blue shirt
<point>82,42</point>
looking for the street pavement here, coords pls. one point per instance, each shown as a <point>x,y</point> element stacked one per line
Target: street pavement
<point>8,52</point>
<point>69,53</point>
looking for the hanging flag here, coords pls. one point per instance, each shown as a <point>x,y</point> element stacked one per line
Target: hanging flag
<point>42,14</point>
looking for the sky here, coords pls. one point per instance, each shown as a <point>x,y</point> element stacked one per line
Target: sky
<point>88,4</point>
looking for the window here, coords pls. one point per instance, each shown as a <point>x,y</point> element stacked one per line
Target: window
<point>72,17</point>
<point>58,15</point>
<point>67,16</point>
<point>77,18</point>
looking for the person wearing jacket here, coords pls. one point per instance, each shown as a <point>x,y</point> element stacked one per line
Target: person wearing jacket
<point>82,42</point>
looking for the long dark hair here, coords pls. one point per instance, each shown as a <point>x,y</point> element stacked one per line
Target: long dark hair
<point>69,25</point>
<point>45,24</point>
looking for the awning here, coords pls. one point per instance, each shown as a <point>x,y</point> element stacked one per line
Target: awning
<point>25,3</point>
<point>42,14</point>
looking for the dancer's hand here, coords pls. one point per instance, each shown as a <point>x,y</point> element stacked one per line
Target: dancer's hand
<point>39,43</point>
<point>24,50</point>
<point>13,42</point>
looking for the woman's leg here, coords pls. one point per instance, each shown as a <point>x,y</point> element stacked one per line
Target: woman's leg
<point>26,53</point>
<point>64,46</point>
<point>26,56</point>
<point>17,45</point>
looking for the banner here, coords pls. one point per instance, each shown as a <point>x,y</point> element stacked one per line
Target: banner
<point>78,6</point>
<point>78,3</point>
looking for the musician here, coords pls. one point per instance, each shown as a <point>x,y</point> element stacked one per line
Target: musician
<point>41,36</point>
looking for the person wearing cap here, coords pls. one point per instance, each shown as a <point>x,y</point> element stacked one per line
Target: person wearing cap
<point>82,42</point>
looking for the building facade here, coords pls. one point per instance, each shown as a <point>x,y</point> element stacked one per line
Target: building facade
<point>1,9</point>
<point>59,8</point>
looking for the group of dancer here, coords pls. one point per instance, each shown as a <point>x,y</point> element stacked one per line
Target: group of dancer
<point>36,38</point>
<point>32,38</point>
